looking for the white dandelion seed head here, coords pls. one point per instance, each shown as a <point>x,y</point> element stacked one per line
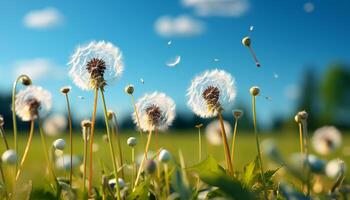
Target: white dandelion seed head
<point>105,51</point>
<point>9,157</point>
<point>112,182</point>
<point>213,132</point>
<point>164,156</point>
<point>218,79</point>
<point>55,125</point>
<point>155,110</point>
<point>335,167</point>
<point>326,140</point>
<point>59,144</point>
<point>31,102</point>
<point>132,141</point>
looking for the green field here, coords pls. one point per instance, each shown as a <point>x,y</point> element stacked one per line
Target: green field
<point>186,141</point>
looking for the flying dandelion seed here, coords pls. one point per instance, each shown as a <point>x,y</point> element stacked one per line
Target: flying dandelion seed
<point>251,28</point>
<point>246,41</point>
<point>326,140</point>
<point>275,75</point>
<point>213,132</point>
<point>142,81</point>
<point>174,62</point>
<point>216,60</point>
<point>156,110</point>
<point>309,7</point>
<point>81,97</point>
<point>169,42</point>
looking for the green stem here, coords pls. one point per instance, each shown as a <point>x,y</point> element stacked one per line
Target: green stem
<point>3,135</point>
<point>225,143</point>
<point>234,141</point>
<point>111,148</point>
<point>133,166</point>
<point>70,140</point>
<point>85,130</point>
<point>199,145</point>
<point>92,131</point>
<point>136,113</point>
<point>306,149</point>
<point>166,174</point>
<point>115,132</point>
<point>258,148</point>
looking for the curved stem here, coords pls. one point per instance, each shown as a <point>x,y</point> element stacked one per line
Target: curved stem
<point>92,131</point>
<point>3,135</point>
<point>234,142</point>
<point>144,158</point>
<point>26,150</point>
<point>258,148</point>
<point>137,114</point>
<point>111,147</point>
<point>70,140</point>
<point>225,143</point>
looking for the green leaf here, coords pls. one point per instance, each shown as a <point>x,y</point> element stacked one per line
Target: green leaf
<point>248,173</point>
<point>213,174</point>
<point>180,186</point>
<point>141,191</point>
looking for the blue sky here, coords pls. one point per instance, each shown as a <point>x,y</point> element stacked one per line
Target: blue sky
<point>39,37</point>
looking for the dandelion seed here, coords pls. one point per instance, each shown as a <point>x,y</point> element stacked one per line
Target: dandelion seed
<point>326,140</point>
<point>156,110</point>
<point>216,60</point>
<point>95,64</point>
<point>81,97</point>
<point>275,75</point>
<point>246,41</point>
<point>210,92</point>
<point>169,42</point>
<point>213,132</point>
<point>31,102</point>
<point>55,124</point>
<point>142,81</point>
<point>309,7</point>
<point>174,62</point>
<point>251,28</point>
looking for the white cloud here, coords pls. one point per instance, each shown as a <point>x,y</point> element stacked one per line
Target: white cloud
<point>39,69</point>
<point>292,92</point>
<point>182,26</point>
<point>44,18</point>
<point>222,8</point>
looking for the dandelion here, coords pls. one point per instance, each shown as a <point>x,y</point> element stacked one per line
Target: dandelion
<point>164,157</point>
<point>334,168</point>
<point>129,89</point>
<point>55,124</point>
<point>237,114</point>
<point>326,140</point>
<point>26,81</point>
<point>213,132</point>
<point>157,112</point>
<point>150,166</point>
<point>85,125</point>
<point>59,144</point>
<point>255,91</point>
<point>208,94</point>
<point>132,143</point>
<point>2,132</point>
<point>92,67</point>
<point>246,41</point>
<point>112,183</point>
<point>9,157</point>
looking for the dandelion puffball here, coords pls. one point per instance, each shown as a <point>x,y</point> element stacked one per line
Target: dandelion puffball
<point>326,140</point>
<point>213,132</point>
<point>112,182</point>
<point>210,92</point>
<point>335,168</point>
<point>156,111</point>
<point>131,141</point>
<point>32,102</point>
<point>95,64</point>
<point>59,144</point>
<point>9,157</point>
<point>55,124</point>
<point>164,156</point>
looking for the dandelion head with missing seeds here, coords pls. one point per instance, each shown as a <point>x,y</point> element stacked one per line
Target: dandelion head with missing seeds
<point>210,92</point>
<point>156,111</point>
<point>32,102</point>
<point>326,140</point>
<point>95,64</point>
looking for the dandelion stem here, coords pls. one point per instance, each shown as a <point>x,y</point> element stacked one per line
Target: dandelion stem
<point>144,158</point>
<point>111,147</point>
<point>3,135</point>
<point>234,141</point>
<point>258,148</point>
<point>133,166</point>
<point>199,145</point>
<point>301,138</point>
<point>26,150</point>
<point>226,147</point>
<point>84,156</point>
<point>166,174</point>
<point>92,130</point>
<point>70,140</point>
<point>157,149</point>
<point>306,149</point>
<point>115,132</point>
<point>136,113</point>
<point>254,56</point>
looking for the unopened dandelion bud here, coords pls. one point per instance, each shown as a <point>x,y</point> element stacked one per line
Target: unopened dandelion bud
<point>110,114</point>
<point>65,90</point>
<point>131,142</point>
<point>246,41</point>
<point>254,91</point>
<point>150,166</point>
<point>86,123</point>
<point>59,144</point>
<point>129,89</point>
<point>112,182</point>
<point>297,118</point>
<point>164,156</point>
<point>2,122</point>
<point>237,114</point>
<point>303,115</point>
<point>9,157</point>
<point>199,125</point>
<point>25,80</point>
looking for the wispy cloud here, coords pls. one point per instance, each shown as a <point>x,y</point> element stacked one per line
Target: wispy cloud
<point>39,69</point>
<point>182,26</point>
<point>222,8</point>
<point>44,18</point>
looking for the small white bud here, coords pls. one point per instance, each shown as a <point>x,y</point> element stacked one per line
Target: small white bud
<point>164,156</point>
<point>132,141</point>
<point>59,144</point>
<point>9,157</point>
<point>112,183</point>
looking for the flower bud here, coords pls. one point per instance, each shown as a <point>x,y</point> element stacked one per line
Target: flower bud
<point>164,156</point>
<point>129,89</point>
<point>112,182</point>
<point>254,91</point>
<point>297,118</point>
<point>1,121</point>
<point>151,166</point>
<point>59,144</point>
<point>199,125</point>
<point>237,114</point>
<point>9,157</point>
<point>65,90</point>
<point>246,41</point>
<point>131,141</point>
<point>110,114</point>
<point>25,80</point>
<point>303,115</point>
<point>86,123</point>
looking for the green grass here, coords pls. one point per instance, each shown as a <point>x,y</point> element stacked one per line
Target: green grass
<point>185,141</point>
